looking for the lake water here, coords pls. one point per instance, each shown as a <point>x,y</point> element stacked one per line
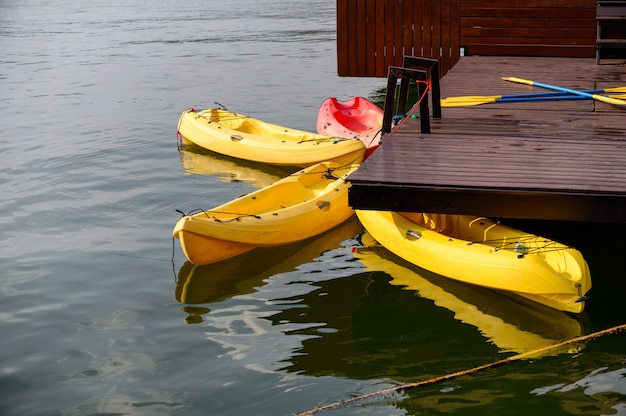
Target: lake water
<point>101,315</point>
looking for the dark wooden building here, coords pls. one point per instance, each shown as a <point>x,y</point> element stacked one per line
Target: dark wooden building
<point>375,34</point>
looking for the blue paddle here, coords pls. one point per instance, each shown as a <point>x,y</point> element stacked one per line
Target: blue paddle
<point>613,101</point>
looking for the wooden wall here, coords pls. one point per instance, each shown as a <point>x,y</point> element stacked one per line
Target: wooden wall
<point>559,28</point>
<point>375,34</point>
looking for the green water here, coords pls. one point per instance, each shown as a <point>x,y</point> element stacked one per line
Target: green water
<point>101,315</point>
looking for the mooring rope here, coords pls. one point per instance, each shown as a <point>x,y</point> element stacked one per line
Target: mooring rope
<point>352,162</point>
<point>435,380</point>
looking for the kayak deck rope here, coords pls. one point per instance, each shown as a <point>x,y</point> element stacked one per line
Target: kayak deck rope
<point>523,246</point>
<point>435,380</point>
<point>334,139</point>
<point>239,215</point>
<point>232,116</point>
<point>328,173</point>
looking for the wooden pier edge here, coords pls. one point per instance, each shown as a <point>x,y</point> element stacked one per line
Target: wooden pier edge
<point>557,160</point>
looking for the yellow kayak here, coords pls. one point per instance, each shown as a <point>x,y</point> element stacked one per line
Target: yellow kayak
<point>244,137</point>
<point>479,251</point>
<point>300,206</point>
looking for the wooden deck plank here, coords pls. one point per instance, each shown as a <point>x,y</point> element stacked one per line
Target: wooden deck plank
<point>537,160</point>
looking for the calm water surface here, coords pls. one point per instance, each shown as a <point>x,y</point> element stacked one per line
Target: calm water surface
<point>101,315</point>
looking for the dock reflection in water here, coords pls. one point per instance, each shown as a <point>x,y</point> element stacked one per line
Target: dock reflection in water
<point>372,324</point>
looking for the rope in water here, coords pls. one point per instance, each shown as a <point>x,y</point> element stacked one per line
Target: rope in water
<point>435,380</point>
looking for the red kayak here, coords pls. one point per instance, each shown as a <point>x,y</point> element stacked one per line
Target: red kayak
<point>356,117</point>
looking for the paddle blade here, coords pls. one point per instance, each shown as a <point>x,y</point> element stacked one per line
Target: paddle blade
<point>468,101</point>
<point>519,80</point>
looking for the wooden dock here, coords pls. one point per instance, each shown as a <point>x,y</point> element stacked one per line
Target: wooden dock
<point>558,160</point>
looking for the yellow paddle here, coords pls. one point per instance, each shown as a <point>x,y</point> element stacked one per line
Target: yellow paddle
<point>470,100</point>
<point>613,101</point>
